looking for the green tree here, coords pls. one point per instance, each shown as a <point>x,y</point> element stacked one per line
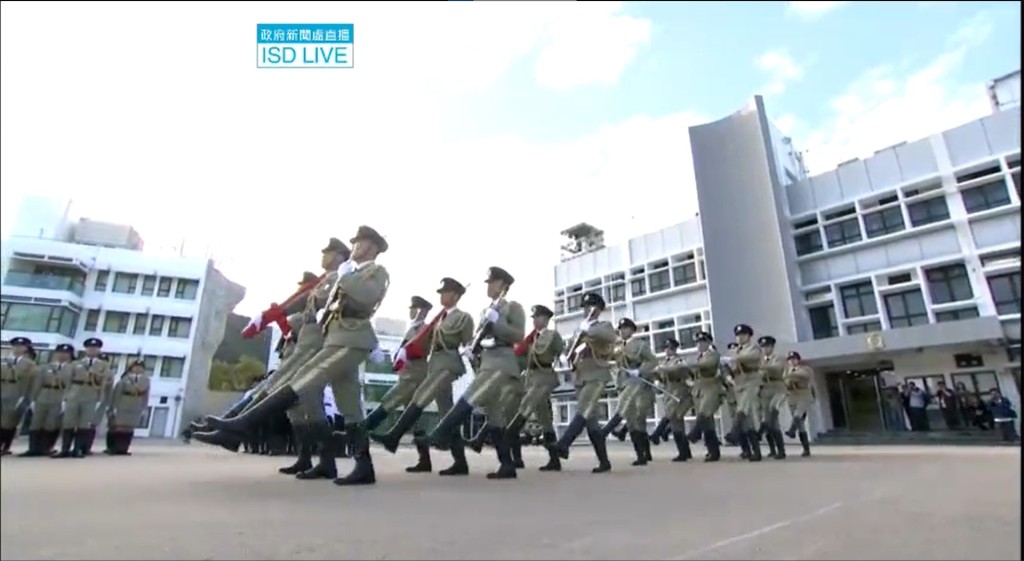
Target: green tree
<point>221,374</point>
<point>247,371</point>
<point>237,377</point>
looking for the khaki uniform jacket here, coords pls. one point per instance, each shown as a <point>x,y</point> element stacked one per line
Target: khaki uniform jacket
<point>16,376</point>
<point>361,292</point>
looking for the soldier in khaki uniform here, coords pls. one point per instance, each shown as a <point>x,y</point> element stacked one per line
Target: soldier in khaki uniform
<point>773,397</point>
<point>589,356</point>
<point>502,325</point>
<point>798,378</point>
<point>452,328</point>
<point>537,355</point>
<point>674,374</point>
<point>128,402</point>
<point>413,364</point>
<point>361,286</point>
<point>88,388</point>
<point>16,375</point>
<point>747,379</point>
<point>708,390</point>
<point>48,401</point>
<point>637,366</point>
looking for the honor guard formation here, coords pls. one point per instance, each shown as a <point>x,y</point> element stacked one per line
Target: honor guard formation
<point>328,334</point>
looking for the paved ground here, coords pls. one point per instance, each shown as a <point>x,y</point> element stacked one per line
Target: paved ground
<point>176,502</point>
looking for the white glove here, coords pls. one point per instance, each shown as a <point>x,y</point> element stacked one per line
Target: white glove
<point>632,372</point>
<point>491,315</point>
<point>727,360</point>
<point>346,267</point>
<point>20,401</point>
<point>320,314</point>
<point>378,354</point>
<point>32,406</point>
<point>63,405</point>
<point>585,324</point>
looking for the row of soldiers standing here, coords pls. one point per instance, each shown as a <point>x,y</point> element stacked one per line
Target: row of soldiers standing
<point>67,399</point>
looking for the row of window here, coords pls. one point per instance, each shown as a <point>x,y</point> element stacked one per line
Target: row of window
<point>844,227</point>
<point>38,318</point>
<point>946,285</point>
<point>154,325</point>
<point>151,285</point>
<point>662,277</point>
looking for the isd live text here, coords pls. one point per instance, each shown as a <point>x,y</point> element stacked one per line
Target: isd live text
<point>304,45</point>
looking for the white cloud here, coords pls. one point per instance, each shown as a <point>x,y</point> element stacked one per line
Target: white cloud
<point>184,138</point>
<point>781,68</point>
<point>813,10</point>
<point>885,106</point>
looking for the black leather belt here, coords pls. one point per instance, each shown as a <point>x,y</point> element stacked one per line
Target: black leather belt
<point>52,387</point>
<point>78,383</point>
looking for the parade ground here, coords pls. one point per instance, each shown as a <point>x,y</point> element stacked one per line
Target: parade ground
<point>171,501</point>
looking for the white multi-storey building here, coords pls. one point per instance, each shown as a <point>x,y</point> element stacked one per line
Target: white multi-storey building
<point>902,266</point>
<point>66,280</point>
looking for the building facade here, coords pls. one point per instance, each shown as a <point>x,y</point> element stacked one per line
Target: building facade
<point>904,266</point>
<point>66,280</point>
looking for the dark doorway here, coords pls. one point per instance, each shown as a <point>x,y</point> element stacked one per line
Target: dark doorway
<point>854,397</point>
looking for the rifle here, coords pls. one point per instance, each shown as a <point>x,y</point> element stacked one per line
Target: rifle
<point>484,330</point>
<point>276,312</point>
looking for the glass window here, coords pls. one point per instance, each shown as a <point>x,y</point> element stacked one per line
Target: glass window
<point>659,339</point>
<point>179,327</point>
<point>823,322</point>
<point>164,287</point>
<point>156,325</point>
<point>954,315</point>
<point>684,273</point>
<point>140,324</point>
<point>92,320</point>
<point>949,284</point>
<point>866,327</point>
<point>885,221</point>
<point>186,289</point>
<point>172,367</point>
<point>38,318</point>
<point>984,197</point>
<point>574,302</point>
<point>1005,291</point>
<point>148,285</point>
<point>928,212</point>
<point>638,287</point>
<point>150,362</point>
<point>116,322</point>
<point>977,383</point>
<point>125,283</point>
<point>906,309</point>
<point>843,233</point>
<point>100,284</point>
<point>618,292</point>
<point>859,300</point>
<point>685,336</point>
<point>559,307</point>
<point>659,281</point>
<point>808,242</point>
<point>144,419</point>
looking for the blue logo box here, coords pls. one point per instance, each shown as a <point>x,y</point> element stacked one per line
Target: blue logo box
<point>305,45</point>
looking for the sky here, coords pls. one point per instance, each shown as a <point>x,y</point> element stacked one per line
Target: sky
<point>470,134</point>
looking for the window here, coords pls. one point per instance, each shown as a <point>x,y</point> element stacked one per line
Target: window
<point>638,287</point>
<point>991,169</point>
<point>809,242</point>
<point>164,288</point>
<point>116,322</point>
<point>868,327</point>
<point>882,222</point>
<point>144,419</point>
<point>148,285</point>
<point>100,285</point>
<point>823,321</point>
<point>954,315</point>
<point>156,325</point>
<point>179,327</point>
<point>949,284</point>
<point>618,292</point>
<point>659,281</point>
<point>559,307</point>
<point>663,331</point>
<point>906,309</point>
<point>984,197</point>
<point>928,212</point>
<point>684,273</point>
<point>575,301</point>
<point>977,383</point>
<point>140,324</point>
<point>843,233</point>
<point>859,300</point>
<point>1005,291</point>
<point>1015,176</point>
<point>150,362</point>
<point>92,320</point>
<point>172,367</point>
<point>125,283</point>
<point>685,336</point>
<point>37,318</point>
<point>186,289</point>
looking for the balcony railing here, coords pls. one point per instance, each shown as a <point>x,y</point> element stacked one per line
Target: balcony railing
<point>46,282</point>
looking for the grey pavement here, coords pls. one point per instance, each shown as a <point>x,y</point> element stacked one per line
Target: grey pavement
<point>170,501</point>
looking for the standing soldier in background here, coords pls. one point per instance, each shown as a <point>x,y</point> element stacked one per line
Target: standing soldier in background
<point>16,376</point>
<point>89,378</point>
<point>675,375</point>
<point>773,396</point>
<point>537,355</point>
<point>503,324</point>
<point>128,402</point>
<point>747,378</point>
<point>637,364</point>
<point>98,416</point>
<point>47,401</point>
<point>450,329</point>
<point>708,389</point>
<point>589,356</point>
<point>798,378</point>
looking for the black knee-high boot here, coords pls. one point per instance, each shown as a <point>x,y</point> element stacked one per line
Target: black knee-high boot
<point>682,446</point>
<point>638,447</point>
<point>110,439</point>
<point>6,440</point>
<point>805,443</point>
<point>780,445</point>
<point>575,428</point>
<point>67,438</point>
<point>249,421</point>
<point>554,463</point>
<point>423,465</point>
<point>303,438</point>
<point>699,428</point>
<point>502,446</point>
<point>612,424</point>
<point>447,428</point>
<point>599,441</point>
<point>769,437</point>
<point>326,466</point>
<point>713,445</point>
<point>393,437</point>
<point>362,472</point>
<point>35,444</point>
<point>755,445</point>
<point>661,431</point>
<point>457,449</point>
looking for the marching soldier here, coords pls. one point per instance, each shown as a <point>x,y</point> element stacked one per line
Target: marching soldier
<point>800,395</point>
<point>537,355</point>
<point>128,402</point>
<point>16,375</point>
<point>413,370</point>
<point>589,356</point>
<point>502,325</point>
<point>773,396</point>
<point>675,375</point>
<point>747,378</point>
<point>349,338</point>
<point>85,394</point>
<point>707,393</point>
<point>451,329</point>
<point>48,401</point>
<point>638,364</point>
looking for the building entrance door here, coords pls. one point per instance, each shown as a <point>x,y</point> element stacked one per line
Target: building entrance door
<point>854,399</point>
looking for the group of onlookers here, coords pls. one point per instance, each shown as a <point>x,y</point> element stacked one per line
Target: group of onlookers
<point>907,407</point>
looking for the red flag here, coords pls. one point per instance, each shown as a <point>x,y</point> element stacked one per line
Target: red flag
<point>523,346</point>
<point>414,349</point>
